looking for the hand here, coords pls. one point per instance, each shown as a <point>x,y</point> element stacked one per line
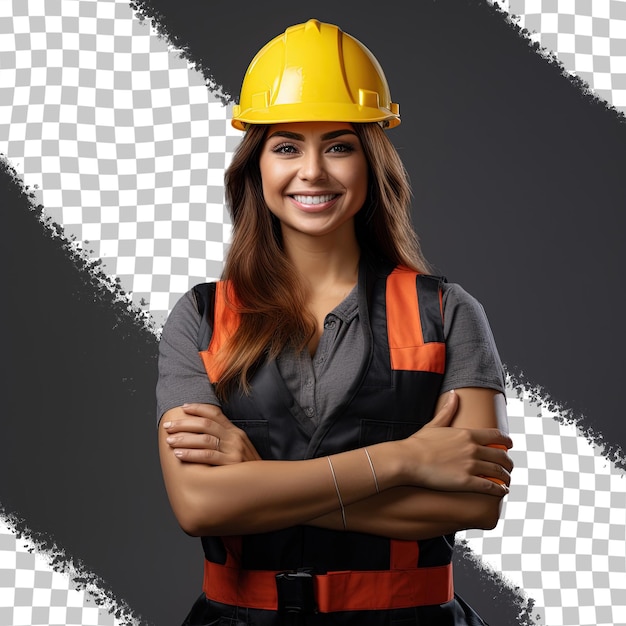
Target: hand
<point>461,459</point>
<point>207,436</point>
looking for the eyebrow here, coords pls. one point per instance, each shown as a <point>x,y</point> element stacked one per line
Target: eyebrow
<point>333,134</point>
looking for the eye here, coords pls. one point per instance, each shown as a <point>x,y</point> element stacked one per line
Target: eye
<point>341,148</point>
<point>285,148</point>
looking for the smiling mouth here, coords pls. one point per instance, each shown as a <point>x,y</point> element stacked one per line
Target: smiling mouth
<point>315,199</point>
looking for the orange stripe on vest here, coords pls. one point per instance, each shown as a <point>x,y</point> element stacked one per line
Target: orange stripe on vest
<point>402,585</point>
<point>404,328</point>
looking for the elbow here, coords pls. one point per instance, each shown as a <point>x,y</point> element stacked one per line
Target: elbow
<point>197,522</point>
<point>193,529</point>
<point>196,525</point>
<point>192,510</point>
<point>487,522</point>
<point>190,524</point>
<point>199,508</point>
<point>485,510</point>
<point>485,515</point>
<point>197,518</point>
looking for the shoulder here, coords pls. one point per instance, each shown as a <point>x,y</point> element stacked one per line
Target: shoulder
<point>189,318</point>
<point>455,297</point>
<point>181,373</point>
<point>472,355</point>
<point>464,316</point>
<point>184,317</point>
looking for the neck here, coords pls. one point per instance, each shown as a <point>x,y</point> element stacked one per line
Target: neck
<point>324,262</point>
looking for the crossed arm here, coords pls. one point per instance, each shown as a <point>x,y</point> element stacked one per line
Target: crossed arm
<point>437,481</point>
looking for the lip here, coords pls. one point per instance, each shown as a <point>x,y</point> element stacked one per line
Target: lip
<point>314,206</point>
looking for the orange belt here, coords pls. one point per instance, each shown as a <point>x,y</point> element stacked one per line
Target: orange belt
<point>395,588</point>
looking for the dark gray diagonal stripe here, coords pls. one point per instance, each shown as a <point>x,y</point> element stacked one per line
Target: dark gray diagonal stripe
<point>78,374</point>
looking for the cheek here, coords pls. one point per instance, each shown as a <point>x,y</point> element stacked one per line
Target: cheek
<point>267,184</point>
<point>272,180</point>
<point>357,174</point>
<point>358,184</point>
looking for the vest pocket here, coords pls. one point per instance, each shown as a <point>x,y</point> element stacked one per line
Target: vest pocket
<point>377,431</point>
<point>258,432</point>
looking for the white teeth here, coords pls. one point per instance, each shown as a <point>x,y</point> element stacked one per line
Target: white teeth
<point>314,199</point>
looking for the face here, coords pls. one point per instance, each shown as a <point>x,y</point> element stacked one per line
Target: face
<point>314,177</point>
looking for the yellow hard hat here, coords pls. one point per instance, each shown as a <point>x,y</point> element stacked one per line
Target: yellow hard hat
<point>314,72</point>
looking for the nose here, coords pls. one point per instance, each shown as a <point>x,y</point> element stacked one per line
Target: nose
<point>312,166</point>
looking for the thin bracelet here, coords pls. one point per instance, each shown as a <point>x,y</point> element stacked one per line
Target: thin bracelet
<point>369,458</point>
<point>343,510</point>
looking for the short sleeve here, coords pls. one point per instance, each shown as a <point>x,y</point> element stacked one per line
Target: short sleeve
<point>182,377</point>
<point>472,359</point>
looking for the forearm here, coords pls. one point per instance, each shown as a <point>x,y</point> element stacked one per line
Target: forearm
<point>260,496</point>
<point>415,513</point>
<point>245,496</point>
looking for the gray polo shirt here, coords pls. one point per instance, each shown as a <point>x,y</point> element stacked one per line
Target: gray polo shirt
<point>318,383</point>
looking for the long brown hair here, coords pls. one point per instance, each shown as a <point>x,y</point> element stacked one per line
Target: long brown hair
<point>264,288</point>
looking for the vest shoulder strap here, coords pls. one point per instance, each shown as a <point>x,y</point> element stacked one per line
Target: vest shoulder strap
<point>415,321</point>
<point>406,291</point>
<point>205,301</point>
<point>430,303</point>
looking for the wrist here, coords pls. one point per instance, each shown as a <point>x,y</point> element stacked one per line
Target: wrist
<point>388,464</point>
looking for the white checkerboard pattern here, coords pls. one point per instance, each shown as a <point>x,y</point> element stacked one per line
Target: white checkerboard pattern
<point>127,148</point>
<point>123,140</point>
<point>587,37</point>
<point>32,592</point>
<point>562,534</point>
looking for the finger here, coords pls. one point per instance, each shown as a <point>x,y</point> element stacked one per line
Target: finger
<point>502,459</point>
<point>493,438</point>
<point>489,486</point>
<point>193,440</point>
<point>495,457</point>
<point>444,415</point>
<point>201,456</point>
<point>188,422</point>
<point>497,474</point>
<point>210,411</point>
<point>497,445</point>
<point>194,425</point>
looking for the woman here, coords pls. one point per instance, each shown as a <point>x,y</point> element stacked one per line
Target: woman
<point>297,395</point>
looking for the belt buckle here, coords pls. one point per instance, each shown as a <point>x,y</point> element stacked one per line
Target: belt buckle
<point>296,593</point>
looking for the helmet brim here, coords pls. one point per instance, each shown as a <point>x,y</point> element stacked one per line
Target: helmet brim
<point>322,112</point>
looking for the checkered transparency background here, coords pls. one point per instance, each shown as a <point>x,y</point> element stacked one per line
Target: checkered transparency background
<point>127,147</point>
<point>587,38</point>
<point>124,141</point>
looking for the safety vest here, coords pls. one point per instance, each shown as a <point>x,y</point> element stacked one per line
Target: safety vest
<point>393,395</point>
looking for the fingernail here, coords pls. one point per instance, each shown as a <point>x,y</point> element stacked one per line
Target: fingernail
<point>167,424</point>
<point>178,453</point>
<point>170,440</point>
